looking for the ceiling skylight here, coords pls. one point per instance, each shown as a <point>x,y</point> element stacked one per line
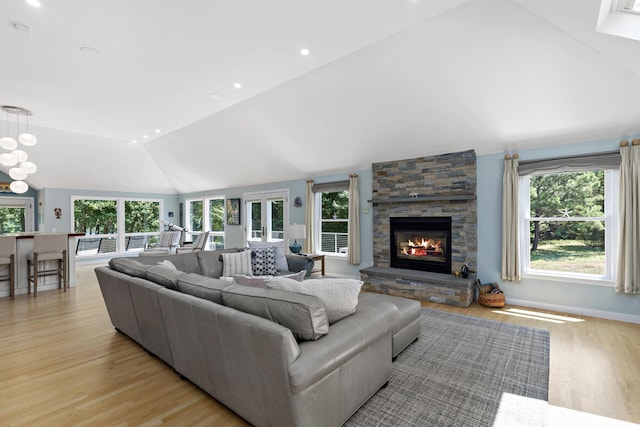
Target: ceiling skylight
<point>620,18</point>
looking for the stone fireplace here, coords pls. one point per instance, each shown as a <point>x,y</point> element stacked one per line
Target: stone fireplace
<point>441,189</point>
<point>421,243</point>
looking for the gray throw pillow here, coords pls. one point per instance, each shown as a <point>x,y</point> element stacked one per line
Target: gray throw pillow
<point>303,315</point>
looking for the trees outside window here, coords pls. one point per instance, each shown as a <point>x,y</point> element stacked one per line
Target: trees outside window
<point>197,221</point>
<point>333,221</point>
<point>115,225</point>
<point>569,223</point>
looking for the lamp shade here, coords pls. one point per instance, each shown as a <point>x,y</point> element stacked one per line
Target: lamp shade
<point>297,231</point>
<point>8,143</point>
<point>28,139</point>
<point>19,187</point>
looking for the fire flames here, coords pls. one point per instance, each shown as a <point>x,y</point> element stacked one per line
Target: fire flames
<point>423,247</point>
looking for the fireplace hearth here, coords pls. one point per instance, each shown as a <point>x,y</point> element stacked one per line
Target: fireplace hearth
<point>421,243</point>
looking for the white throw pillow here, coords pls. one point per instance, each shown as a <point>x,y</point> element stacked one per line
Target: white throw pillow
<point>236,263</point>
<point>281,260</point>
<point>340,296</point>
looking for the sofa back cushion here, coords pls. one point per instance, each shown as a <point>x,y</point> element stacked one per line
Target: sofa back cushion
<point>164,275</point>
<point>129,266</point>
<point>184,262</point>
<point>303,315</point>
<point>203,287</point>
<point>211,261</point>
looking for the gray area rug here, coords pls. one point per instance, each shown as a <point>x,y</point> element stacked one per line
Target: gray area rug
<point>465,371</point>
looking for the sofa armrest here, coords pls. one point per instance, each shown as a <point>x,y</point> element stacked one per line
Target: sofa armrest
<point>300,262</point>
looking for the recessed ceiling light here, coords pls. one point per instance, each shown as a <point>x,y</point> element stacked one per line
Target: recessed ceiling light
<point>135,141</point>
<point>34,3</point>
<point>158,131</point>
<point>216,96</point>
<point>304,52</point>
<point>21,28</point>
<point>237,85</point>
<point>91,52</point>
<point>145,136</point>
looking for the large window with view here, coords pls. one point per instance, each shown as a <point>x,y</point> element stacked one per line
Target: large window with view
<point>115,225</point>
<point>198,222</point>
<point>568,224</point>
<point>333,221</point>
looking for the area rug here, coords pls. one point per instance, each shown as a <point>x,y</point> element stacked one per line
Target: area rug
<point>465,371</point>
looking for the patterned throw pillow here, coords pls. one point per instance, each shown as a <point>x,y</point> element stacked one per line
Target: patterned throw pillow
<point>236,263</point>
<point>263,261</point>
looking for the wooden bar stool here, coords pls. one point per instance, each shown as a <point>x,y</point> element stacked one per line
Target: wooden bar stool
<point>8,258</point>
<point>47,247</point>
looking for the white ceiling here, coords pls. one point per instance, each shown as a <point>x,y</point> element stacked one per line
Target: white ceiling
<point>386,79</point>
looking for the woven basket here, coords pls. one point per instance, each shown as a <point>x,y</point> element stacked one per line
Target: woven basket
<point>488,299</point>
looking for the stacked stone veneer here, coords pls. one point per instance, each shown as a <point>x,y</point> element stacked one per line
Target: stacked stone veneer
<point>440,177</point>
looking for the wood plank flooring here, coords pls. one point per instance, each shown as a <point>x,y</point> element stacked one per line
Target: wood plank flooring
<point>63,364</point>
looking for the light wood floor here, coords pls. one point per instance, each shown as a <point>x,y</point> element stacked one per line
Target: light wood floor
<point>63,364</point>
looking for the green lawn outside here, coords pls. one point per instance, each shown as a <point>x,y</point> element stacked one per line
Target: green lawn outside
<point>569,256</point>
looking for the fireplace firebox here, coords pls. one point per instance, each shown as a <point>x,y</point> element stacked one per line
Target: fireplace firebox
<point>421,243</point>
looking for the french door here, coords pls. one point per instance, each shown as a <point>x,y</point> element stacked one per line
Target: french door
<point>266,215</point>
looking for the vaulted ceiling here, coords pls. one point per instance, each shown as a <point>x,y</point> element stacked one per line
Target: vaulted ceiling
<point>384,79</point>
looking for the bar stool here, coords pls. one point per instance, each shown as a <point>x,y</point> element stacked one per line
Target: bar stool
<point>47,247</point>
<point>8,258</point>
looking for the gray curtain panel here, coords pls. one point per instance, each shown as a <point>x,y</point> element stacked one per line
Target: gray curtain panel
<point>353,244</point>
<point>309,220</point>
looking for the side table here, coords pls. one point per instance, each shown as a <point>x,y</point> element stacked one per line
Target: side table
<point>315,258</point>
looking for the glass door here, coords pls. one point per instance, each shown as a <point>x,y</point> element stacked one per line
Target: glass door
<point>266,215</point>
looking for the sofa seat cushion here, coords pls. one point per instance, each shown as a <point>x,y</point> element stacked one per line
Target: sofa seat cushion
<point>340,296</point>
<point>303,315</point>
<point>203,287</point>
<point>164,275</point>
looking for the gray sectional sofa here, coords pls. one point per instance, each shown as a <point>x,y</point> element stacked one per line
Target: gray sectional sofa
<point>269,355</point>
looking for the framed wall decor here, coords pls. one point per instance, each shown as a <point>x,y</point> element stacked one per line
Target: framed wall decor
<point>233,211</point>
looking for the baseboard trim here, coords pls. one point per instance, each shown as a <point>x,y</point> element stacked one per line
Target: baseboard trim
<point>610,315</point>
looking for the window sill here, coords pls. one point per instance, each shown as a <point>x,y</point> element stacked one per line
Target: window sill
<point>568,278</point>
<point>333,255</point>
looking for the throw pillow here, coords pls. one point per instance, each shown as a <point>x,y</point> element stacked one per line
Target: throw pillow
<point>236,263</point>
<point>263,261</point>
<point>281,259</point>
<point>340,296</point>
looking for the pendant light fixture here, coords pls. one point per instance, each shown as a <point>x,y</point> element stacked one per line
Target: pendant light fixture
<point>12,155</point>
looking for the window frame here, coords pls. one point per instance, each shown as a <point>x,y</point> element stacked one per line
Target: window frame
<point>319,221</point>
<point>120,235</point>
<point>206,220</point>
<point>611,235</point>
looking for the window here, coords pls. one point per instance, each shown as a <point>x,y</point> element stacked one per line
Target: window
<point>568,225</point>
<point>332,212</point>
<point>197,222</point>
<point>620,18</point>
<point>115,225</point>
<point>265,213</point>
<point>15,214</point>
